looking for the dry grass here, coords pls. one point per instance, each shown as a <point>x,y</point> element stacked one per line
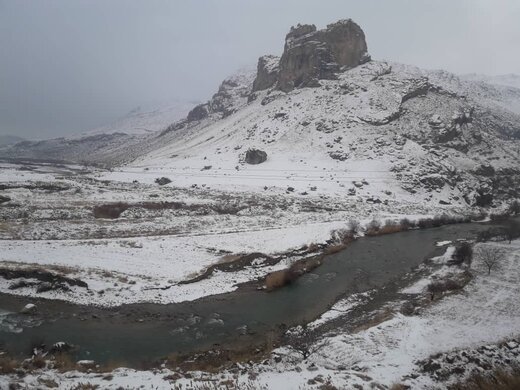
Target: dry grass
<point>110,211</point>
<point>378,318</point>
<point>8,365</point>
<point>281,278</point>
<point>63,362</point>
<point>331,249</point>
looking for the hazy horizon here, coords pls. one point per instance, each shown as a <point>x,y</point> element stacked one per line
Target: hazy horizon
<point>69,66</point>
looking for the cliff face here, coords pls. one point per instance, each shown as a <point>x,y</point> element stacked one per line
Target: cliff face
<point>310,55</point>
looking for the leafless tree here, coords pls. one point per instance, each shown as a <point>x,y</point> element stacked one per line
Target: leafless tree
<point>490,256</point>
<point>303,340</point>
<point>512,230</point>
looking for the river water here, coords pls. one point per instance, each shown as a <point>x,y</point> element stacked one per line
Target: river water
<point>231,318</point>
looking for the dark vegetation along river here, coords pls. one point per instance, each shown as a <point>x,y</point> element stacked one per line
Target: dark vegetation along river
<point>132,334</point>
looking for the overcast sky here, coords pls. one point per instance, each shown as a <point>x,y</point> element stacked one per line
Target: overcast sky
<point>70,65</point>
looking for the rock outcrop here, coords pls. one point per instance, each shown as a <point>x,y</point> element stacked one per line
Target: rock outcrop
<point>267,72</point>
<point>310,55</point>
<point>232,92</point>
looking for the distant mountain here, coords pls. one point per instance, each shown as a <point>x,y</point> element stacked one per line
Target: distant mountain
<point>144,120</point>
<point>508,80</point>
<point>107,144</point>
<point>10,139</point>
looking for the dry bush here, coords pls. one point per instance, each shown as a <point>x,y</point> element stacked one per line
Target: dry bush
<point>85,386</point>
<point>342,236</point>
<point>354,226</point>
<point>373,228</point>
<point>512,230</point>
<point>63,362</point>
<point>514,207</point>
<point>110,211</point>
<point>331,249</point>
<point>399,386</point>
<point>439,287</point>
<point>8,365</point>
<point>497,380</point>
<point>407,224</point>
<point>463,254</point>
<point>38,361</point>
<point>281,278</point>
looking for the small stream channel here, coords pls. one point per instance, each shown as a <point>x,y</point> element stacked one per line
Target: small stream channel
<point>143,332</point>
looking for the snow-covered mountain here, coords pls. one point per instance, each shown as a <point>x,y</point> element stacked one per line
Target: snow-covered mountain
<point>9,139</point>
<point>508,80</point>
<point>145,120</point>
<point>103,145</point>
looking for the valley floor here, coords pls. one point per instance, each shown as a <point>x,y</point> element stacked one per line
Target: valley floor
<point>165,234</point>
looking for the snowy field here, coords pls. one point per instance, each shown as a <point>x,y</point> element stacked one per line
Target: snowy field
<point>49,224</point>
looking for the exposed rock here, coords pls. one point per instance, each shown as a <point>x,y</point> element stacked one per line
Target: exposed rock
<point>255,156</point>
<point>267,72</point>
<point>163,181</point>
<point>310,55</point>
<point>338,155</point>
<point>28,309</point>
<point>198,113</point>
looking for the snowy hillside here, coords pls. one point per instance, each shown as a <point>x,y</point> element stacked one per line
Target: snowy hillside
<point>380,132</point>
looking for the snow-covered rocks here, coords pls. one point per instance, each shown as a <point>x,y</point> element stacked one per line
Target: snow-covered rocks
<point>30,308</point>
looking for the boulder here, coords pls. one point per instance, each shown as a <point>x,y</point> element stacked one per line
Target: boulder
<point>255,156</point>
<point>310,55</point>
<point>28,309</point>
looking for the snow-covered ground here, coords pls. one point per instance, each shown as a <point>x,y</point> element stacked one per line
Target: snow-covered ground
<point>485,313</point>
<point>49,223</point>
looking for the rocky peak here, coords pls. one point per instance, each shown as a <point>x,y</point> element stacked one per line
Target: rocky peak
<point>267,72</point>
<point>310,55</point>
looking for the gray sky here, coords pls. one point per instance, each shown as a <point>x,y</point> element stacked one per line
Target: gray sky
<point>70,65</point>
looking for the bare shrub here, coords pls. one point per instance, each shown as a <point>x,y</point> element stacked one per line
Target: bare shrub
<point>439,287</point>
<point>490,256</point>
<point>463,254</point>
<point>281,278</point>
<point>512,230</point>
<point>110,211</point>
<point>342,236</point>
<point>301,340</point>
<point>514,207</point>
<point>407,224</point>
<point>373,227</point>
<point>8,365</point>
<point>354,226</point>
